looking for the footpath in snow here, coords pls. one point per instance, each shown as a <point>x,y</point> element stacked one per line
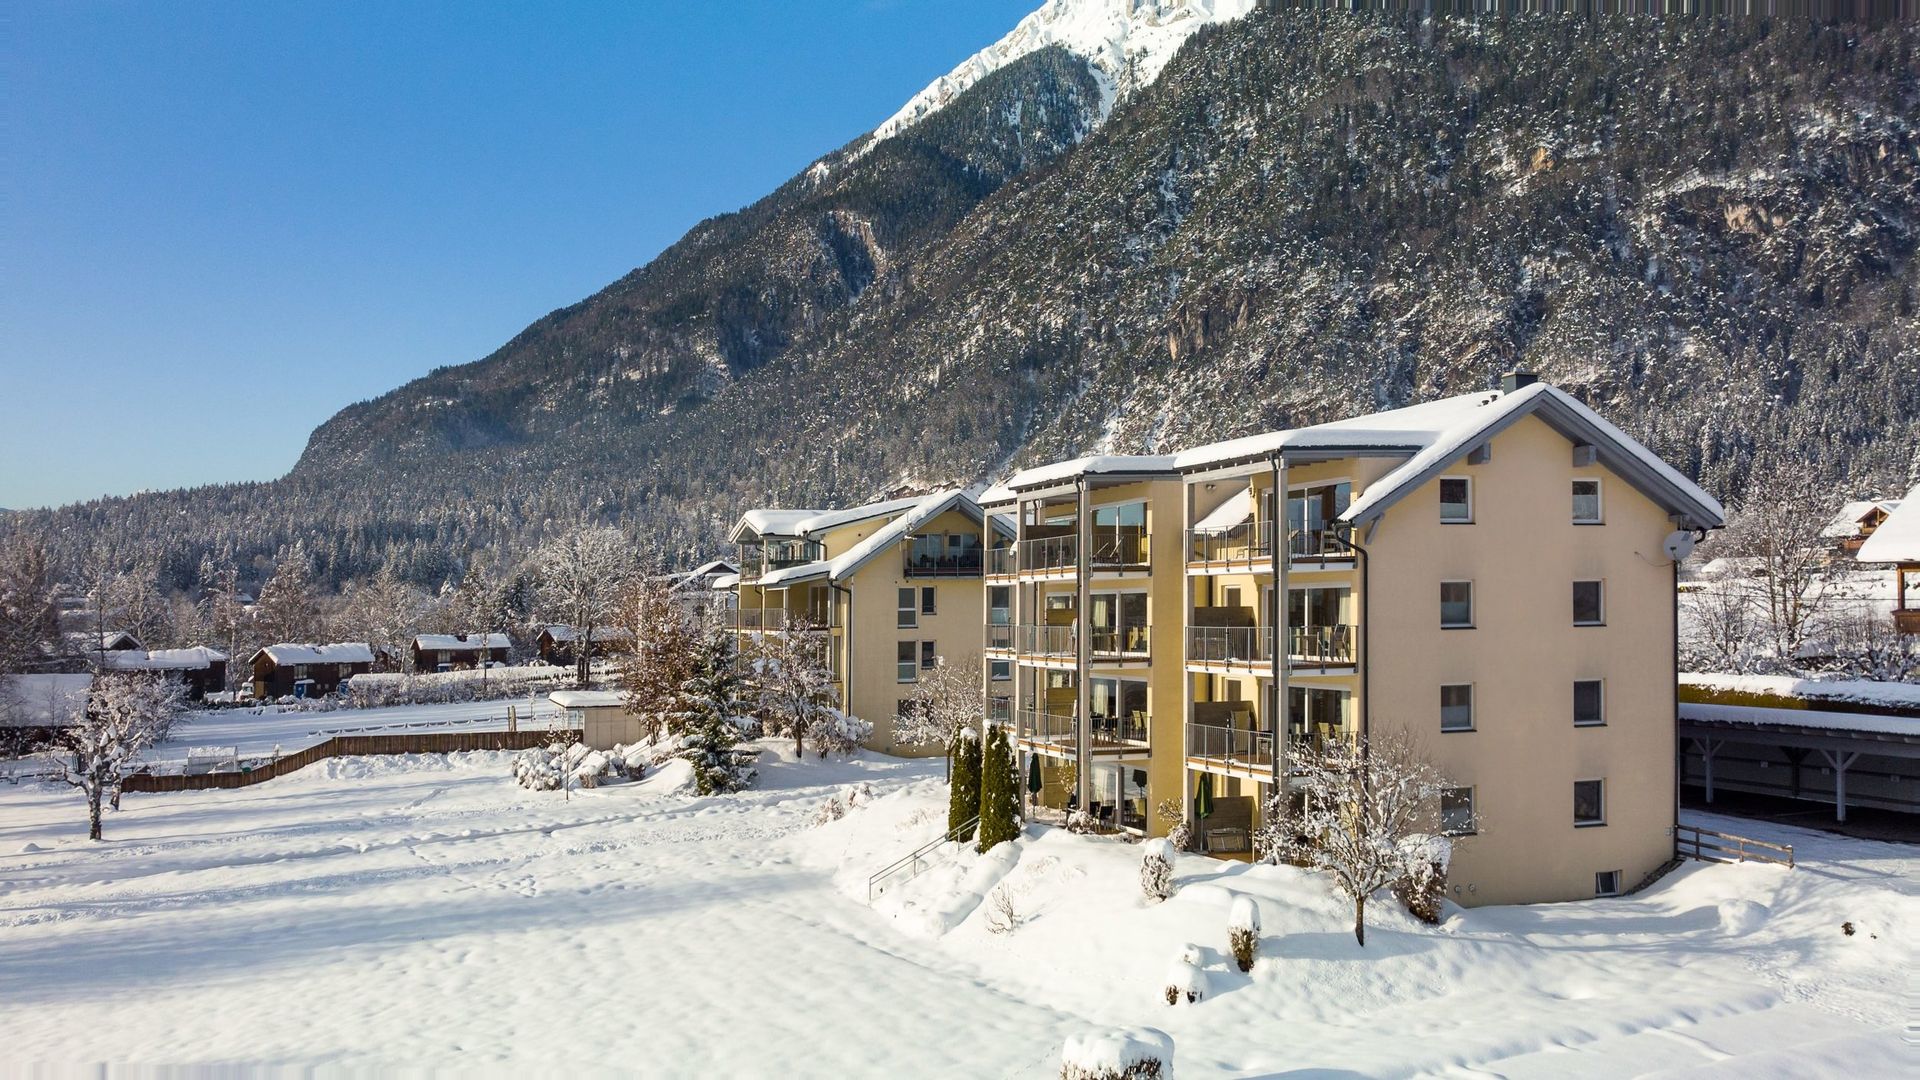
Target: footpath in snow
<point>425,912</point>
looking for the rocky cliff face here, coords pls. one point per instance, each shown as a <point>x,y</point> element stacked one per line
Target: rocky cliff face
<point>1706,230</point>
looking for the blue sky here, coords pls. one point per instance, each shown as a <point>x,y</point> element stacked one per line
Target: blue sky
<point>221,222</point>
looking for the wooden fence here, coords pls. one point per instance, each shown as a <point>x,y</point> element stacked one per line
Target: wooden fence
<point>1691,842</point>
<point>438,742</point>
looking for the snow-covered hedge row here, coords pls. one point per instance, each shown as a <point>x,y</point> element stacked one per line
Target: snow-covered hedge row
<point>1118,1054</point>
<point>376,690</point>
<point>543,767</point>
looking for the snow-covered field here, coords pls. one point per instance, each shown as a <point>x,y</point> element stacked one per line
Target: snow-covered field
<point>256,733</point>
<point>381,913</point>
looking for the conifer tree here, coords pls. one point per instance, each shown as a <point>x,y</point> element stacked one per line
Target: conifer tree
<point>963,795</point>
<point>999,793</point>
<point>710,716</point>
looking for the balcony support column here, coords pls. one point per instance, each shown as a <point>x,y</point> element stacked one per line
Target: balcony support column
<point>1186,677</point>
<point>1281,552</point>
<point>1083,647</point>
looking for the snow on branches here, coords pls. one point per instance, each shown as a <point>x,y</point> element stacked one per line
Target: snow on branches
<point>126,714</point>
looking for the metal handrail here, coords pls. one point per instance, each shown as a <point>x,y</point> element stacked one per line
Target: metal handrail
<point>1706,845</point>
<point>1000,637</point>
<point>1050,553</point>
<point>1322,646</point>
<point>1125,641</point>
<point>1215,742</point>
<point>912,858</point>
<point>1047,640</point>
<point>1002,562</point>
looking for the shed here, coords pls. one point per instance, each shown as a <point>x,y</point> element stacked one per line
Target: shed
<point>602,715</point>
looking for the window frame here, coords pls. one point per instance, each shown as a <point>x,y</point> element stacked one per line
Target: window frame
<point>928,600</point>
<point>1441,491</point>
<point>1600,587</point>
<point>929,656</point>
<point>1595,822</point>
<point>906,662</point>
<point>1472,716</point>
<point>1599,892</point>
<point>994,667</point>
<point>1444,624</point>
<point>1601,684</point>
<point>1599,501</point>
<point>1473,811</point>
<point>906,609</point>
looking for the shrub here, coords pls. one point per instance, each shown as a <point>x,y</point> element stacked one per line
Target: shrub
<point>1124,1054</point>
<point>1423,888</point>
<point>1156,869</point>
<point>829,812</point>
<point>999,793</point>
<point>1080,822</point>
<point>963,787</point>
<point>1243,931</point>
<point>1185,979</point>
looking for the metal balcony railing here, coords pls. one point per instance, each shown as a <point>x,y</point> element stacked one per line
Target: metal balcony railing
<point>1002,562</point>
<point>1000,711</point>
<point>1049,553</point>
<point>1230,745</point>
<point>775,619</point>
<point>1322,646</point>
<point>757,560</point>
<point>1126,641</point>
<point>1125,546</point>
<point>1046,641</point>
<point>1106,732</point>
<point>1045,727</point>
<point>1318,545</point>
<point>1229,644</point>
<point>1247,542</point>
<point>965,564</point>
<point>999,637</point>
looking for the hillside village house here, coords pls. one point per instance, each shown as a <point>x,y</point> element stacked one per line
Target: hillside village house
<point>1895,542</point>
<point>458,652</point>
<point>35,709</point>
<point>556,641</point>
<point>1855,522</point>
<point>890,590</point>
<point>200,669</point>
<point>708,587</point>
<point>297,670</point>
<point>1484,574</point>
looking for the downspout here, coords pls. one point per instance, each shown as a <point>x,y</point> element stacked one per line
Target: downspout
<point>1679,758</point>
<point>846,663</point>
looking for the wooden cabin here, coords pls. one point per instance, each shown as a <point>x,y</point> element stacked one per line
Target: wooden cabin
<point>556,642</point>
<point>456,652</point>
<point>201,669</point>
<point>305,670</point>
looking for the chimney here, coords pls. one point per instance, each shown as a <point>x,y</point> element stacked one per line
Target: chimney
<point>1514,380</point>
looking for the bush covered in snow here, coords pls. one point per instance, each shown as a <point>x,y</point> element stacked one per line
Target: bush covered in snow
<point>1186,980</point>
<point>1118,1054</point>
<point>381,689</point>
<point>1243,930</point>
<point>838,804</point>
<point>1156,869</point>
<point>1080,822</point>
<point>543,768</point>
<point>1423,888</point>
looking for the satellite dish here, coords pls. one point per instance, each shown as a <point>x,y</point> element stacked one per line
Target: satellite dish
<point>1679,545</point>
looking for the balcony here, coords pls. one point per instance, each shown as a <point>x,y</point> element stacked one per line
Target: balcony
<point>1248,544</point>
<point>1230,645</point>
<point>1123,643</point>
<point>964,564</point>
<point>1108,733</point>
<point>1322,647</point>
<point>1000,711</point>
<point>1120,547</point>
<point>1318,546</point>
<point>758,560</point>
<point>1050,641</point>
<point>1049,554</point>
<point>774,620</point>
<point>1218,744</point>
<point>999,637</point>
<point>1048,729</point>
<point>1002,562</point>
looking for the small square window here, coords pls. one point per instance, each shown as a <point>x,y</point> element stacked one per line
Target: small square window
<point>1589,802</point>
<point>928,659</point>
<point>1456,604</point>
<point>1001,670</point>
<point>909,611</point>
<point>926,600</point>
<point>1606,883</point>
<point>1456,500</point>
<point>1456,707</point>
<point>1589,705</point>
<point>1456,811</point>
<point>1586,502</point>
<point>1589,608</point>
<point>905,668</point>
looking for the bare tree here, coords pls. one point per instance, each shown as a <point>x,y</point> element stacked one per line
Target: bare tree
<point>29,625</point>
<point>1361,803</point>
<point>1720,625</point>
<point>126,714</point>
<point>946,699</point>
<point>387,611</point>
<point>288,610</point>
<point>582,575</point>
<point>1779,522</point>
<point>665,643</point>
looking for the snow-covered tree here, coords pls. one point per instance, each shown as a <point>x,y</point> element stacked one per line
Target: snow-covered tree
<point>288,609</point>
<point>1361,801</point>
<point>1779,522</point>
<point>710,715</point>
<point>945,700</point>
<point>1156,869</point>
<point>386,612</point>
<point>796,693</point>
<point>666,644</point>
<point>127,713</point>
<point>29,626</point>
<point>999,792</point>
<point>582,577</point>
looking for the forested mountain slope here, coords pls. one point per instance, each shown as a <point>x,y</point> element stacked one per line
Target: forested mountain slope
<point>1705,229</point>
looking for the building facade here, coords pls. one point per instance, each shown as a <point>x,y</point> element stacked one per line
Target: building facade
<point>1485,576</point>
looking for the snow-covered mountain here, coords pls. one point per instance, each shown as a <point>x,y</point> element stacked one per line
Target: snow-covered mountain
<point>1125,42</point>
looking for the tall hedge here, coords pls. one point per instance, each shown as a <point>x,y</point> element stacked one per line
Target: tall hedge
<point>999,793</point>
<point>963,796</point>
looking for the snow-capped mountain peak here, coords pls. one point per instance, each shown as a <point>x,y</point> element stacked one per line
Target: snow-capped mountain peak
<point>1125,42</point>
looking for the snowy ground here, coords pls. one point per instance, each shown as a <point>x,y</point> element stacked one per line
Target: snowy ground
<point>256,733</point>
<point>384,913</point>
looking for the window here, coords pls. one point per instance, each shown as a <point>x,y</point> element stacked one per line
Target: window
<point>1456,707</point>
<point>1586,502</point>
<point>1589,803</point>
<point>909,610</point>
<point>1589,708</point>
<point>1588,608</point>
<point>905,669</point>
<point>928,660</point>
<point>1456,500</point>
<point>1606,883</point>
<point>1456,811</point>
<point>1000,605</point>
<point>1456,604</point>
<point>1000,670</point>
<point>926,600</point>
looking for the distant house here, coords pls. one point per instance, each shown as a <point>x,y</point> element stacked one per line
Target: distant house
<point>708,587</point>
<point>1855,522</point>
<point>457,652</point>
<point>296,670</point>
<point>35,709</point>
<point>200,668</point>
<point>89,641</point>
<point>556,642</point>
<point>1896,542</point>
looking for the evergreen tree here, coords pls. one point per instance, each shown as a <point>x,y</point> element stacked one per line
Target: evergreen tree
<point>709,716</point>
<point>999,793</point>
<point>963,794</point>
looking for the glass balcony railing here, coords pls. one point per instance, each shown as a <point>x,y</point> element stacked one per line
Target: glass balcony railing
<point>1247,542</point>
<point>1322,646</point>
<point>1124,642</point>
<point>999,637</point>
<point>1002,562</point>
<point>1230,745</point>
<point>1229,644</point>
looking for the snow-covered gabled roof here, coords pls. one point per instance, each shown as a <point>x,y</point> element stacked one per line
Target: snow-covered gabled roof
<point>43,700</point>
<point>286,653</point>
<point>562,632</point>
<point>1143,465</point>
<point>1236,509</point>
<point>805,523</point>
<point>997,495</point>
<point>723,582</point>
<point>461,643</point>
<point>198,658</point>
<point>587,699</point>
<point>1897,540</point>
<point>90,640</point>
<point>1613,448</point>
<point>922,510</point>
<point>1848,522</point>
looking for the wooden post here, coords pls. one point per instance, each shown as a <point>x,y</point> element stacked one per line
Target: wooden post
<point>1840,762</point>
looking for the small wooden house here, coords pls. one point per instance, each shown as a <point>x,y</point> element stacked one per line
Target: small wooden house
<point>556,642</point>
<point>304,670</point>
<point>200,668</point>
<point>456,652</point>
<point>37,710</point>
